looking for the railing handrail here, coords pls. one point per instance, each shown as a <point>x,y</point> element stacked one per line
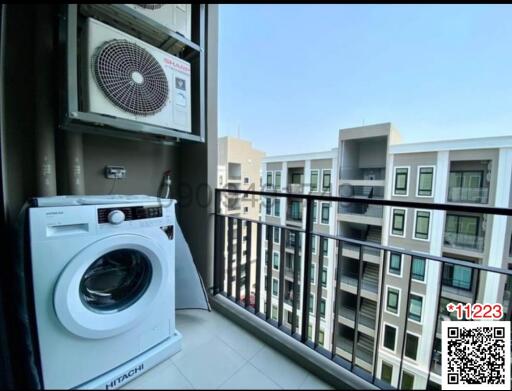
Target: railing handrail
<point>404,204</point>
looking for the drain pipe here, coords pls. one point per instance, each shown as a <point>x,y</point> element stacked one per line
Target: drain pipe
<point>75,163</point>
<point>44,118</point>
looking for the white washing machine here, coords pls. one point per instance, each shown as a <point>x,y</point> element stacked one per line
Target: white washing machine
<point>103,275</point>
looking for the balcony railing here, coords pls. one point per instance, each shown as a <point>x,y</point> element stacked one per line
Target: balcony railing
<point>359,354</point>
<point>464,241</point>
<point>468,194</point>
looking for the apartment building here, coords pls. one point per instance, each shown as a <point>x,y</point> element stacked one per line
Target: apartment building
<point>468,172</point>
<point>362,172</point>
<point>239,167</point>
<point>311,173</point>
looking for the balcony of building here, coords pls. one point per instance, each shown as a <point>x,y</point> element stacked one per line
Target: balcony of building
<point>469,181</point>
<point>294,211</point>
<point>464,232</point>
<point>234,172</point>
<point>295,179</point>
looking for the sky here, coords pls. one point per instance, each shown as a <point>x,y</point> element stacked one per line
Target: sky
<point>291,76</point>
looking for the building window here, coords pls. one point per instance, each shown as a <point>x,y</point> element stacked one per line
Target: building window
<point>407,381</point>
<point>274,312</point>
<point>277,180</point>
<point>277,234</point>
<point>411,346</point>
<point>296,210</point>
<point>277,207</point>
<point>462,231</point>
<point>315,211</point>
<point>312,273</point>
<point>289,261</point>
<point>392,298</point>
<point>289,316</point>
<point>268,206</point>
<point>386,372</point>
<point>459,277</point>
<point>269,179</point>
<point>275,286</point>
<point>313,244</point>
<point>311,303</point>
<point>466,186</point>
<point>322,308</point>
<point>418,268</point>
<point>321,337</point>
<point>310,331</point>
<point>325,213</point>
<point>325,247</point>
<point>314,180</point>
<point>415,308</point>
<point>422,226</point>
<point>326,180</point>
<point>246,180</point>
<point>297,178</point>
<point>401,179</point>
<point>398,222</point>
<point>389,337</point>
<point>324,277</point>
<point>395,263</point>
<point>425,181</point>
<point>275,261</point>
<point>246,209</point>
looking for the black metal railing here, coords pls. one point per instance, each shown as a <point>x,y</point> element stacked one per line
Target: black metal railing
<point>278,302</point>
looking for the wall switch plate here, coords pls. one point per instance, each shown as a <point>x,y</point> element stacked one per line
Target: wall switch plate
<point>115,172</point>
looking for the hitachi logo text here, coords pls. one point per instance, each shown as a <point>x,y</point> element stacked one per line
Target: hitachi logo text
<point>121,379</point>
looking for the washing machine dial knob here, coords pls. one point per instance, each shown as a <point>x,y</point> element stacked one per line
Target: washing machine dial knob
<point>116,217</point>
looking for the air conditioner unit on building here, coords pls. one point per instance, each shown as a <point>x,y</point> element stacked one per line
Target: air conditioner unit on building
<point>176,17</point>
<point>130,79</point>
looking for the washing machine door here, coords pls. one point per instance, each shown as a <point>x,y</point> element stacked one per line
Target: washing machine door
<point>111,285</point>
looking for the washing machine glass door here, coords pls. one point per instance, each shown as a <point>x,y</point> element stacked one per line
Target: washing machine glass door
<point>111,285</point>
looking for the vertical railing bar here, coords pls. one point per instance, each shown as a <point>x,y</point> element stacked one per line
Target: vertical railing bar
<point>282,236</point>
<point>319,288</point>
<point>239,226</point>
<point>358,307</point>
<point>379,318</point>
<point>222,254</point>
<point>336,304</point>
<point>259,267</point>
<point>509,309</point>
<point>307,271</point>
<point>270,250</point>
<point>477,285</point>
<point>248,256</point>
<point>406,321</point>
<point>230,257</point>
<point>436,312</point>
<point>296,293</point>
<point>216,246</point>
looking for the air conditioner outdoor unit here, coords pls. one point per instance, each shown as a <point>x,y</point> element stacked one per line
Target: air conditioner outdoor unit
<point>130,79</point>
<point>176,17</point>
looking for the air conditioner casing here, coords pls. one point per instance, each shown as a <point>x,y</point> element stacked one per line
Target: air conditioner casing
<point>176,17</point>
<point>175,113</point>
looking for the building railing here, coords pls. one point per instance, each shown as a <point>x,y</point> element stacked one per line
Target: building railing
<point>464,241</point>
<point>267,286</point>
<point>478,195</point>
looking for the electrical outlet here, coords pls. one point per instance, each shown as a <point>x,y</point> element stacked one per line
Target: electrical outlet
<point>115,172</point>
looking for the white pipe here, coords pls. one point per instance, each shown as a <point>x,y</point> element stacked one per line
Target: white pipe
<point>75,162</point>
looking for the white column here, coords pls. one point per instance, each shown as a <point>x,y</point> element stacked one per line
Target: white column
<point>284,184</point>
<point>499,225</point>
<point>433,268</point>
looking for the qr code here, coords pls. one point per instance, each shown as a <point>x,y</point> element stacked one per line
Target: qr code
<point>476,355</point>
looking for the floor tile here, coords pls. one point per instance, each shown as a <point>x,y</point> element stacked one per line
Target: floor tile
<point>240,340</point>
<point>279,368</point>
<point>249,378</point>
<point>210,364</point>
<point>314,383</point>
<point>163,376</point>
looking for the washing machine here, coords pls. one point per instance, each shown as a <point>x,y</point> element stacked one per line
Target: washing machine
<point>103,282</point>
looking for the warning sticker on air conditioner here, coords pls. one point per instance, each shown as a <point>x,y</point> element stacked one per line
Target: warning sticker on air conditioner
<point>180,66</point>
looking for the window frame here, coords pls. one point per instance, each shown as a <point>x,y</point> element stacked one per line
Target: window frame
<point>277,281</point>
<point>389,264</point>
<point>382,363</point>
<point>424,281</point>
<point>383,346</point>
<point>312,272</point>
<point>274,182</point>
<point>268,205</point>
<point>417,346</point>
<point>404,372</point>
<point>270,185</point>
<point>422,308</point>
<point>316,188</point>
<point>312,304</point>
<point>278,236</point>
<point>432,185</point>
<point>408,168</point>
<point>429,224</point>
<point>388,287</point>
<point>330,180</point>
<point>393,209</point>
<point>277,201</point>
<point>321,213</point>
<point>314,246</point>
<point>274,253</point>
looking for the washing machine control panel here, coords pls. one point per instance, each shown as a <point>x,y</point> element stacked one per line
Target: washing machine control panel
<point>114,215</point>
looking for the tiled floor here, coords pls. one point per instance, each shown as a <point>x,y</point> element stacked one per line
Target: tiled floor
<point>219,354</point>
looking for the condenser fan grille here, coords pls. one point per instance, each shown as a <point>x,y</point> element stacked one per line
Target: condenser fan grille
<point>130,77</point>
<point>151,6</point>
